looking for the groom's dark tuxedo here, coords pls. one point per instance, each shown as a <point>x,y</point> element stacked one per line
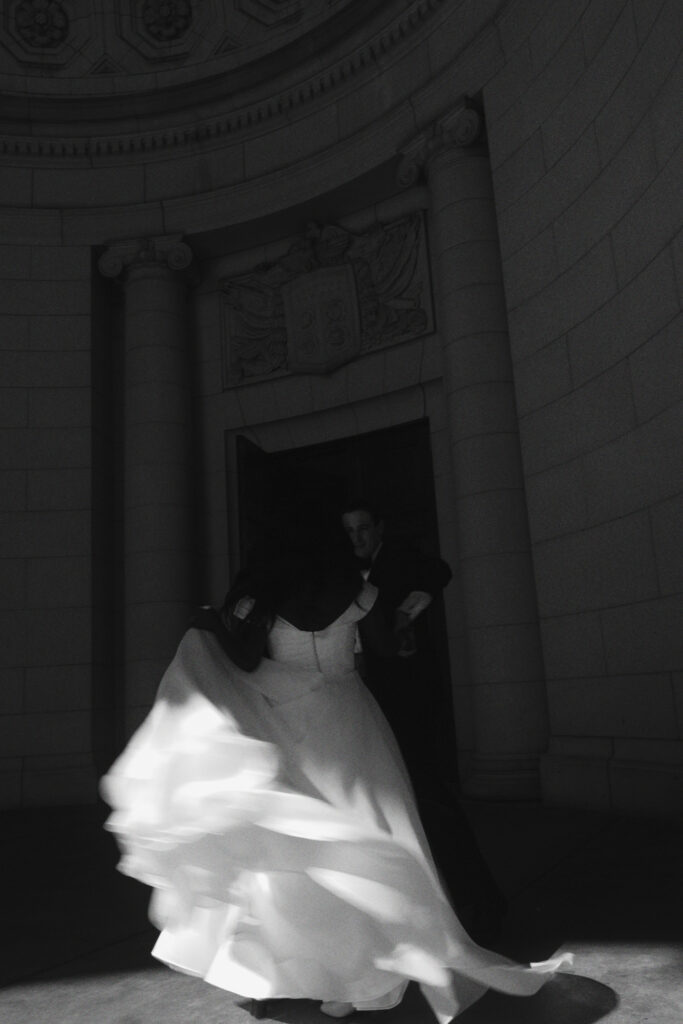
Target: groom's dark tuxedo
<point>407,688</point>
<point>410,693</point>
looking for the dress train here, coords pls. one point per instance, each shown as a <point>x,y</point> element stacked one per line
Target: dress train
<point>271,814</point>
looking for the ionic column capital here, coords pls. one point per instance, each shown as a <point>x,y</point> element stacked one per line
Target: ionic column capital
<point>460,127</point>
<point>169,252</point>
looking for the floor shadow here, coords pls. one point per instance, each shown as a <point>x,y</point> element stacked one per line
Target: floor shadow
<point>565,999</point>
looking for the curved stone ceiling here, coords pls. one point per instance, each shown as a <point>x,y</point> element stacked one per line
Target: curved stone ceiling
<point>101,80</point>
<point>72,59</point>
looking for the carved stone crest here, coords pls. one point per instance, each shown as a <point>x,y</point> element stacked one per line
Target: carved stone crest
<point>321,319</point>
<point>331,297</point>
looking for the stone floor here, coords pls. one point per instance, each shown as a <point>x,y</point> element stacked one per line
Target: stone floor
<point>608,888</point>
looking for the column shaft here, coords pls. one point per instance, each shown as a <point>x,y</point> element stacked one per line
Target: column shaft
<point>495,563</point>
<point>158,559</point>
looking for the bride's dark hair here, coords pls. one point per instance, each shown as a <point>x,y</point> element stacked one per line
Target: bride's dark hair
<point>303,563</point>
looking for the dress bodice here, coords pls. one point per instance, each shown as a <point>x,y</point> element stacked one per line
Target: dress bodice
<point>329,650</point>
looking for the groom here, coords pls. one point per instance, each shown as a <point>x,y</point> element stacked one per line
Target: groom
<point>406,688</point>
<point>407,581</point>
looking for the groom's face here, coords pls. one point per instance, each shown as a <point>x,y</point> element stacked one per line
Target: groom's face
<point>363,532</point>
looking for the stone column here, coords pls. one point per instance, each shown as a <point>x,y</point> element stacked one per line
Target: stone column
<point>495,565</point>
<point>156,453</point>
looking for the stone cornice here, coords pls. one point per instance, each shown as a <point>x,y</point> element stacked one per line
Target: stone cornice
<point>236,122</point>
<point>460,126</point>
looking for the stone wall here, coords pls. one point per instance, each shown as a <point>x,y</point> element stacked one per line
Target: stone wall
<point>46,524</point>
<point>586,155</point>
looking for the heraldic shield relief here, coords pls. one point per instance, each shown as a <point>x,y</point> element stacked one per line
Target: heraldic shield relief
<point>330,297</point>
<point>321,316</point>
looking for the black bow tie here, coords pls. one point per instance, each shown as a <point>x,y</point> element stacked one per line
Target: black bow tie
<point>364,563</point>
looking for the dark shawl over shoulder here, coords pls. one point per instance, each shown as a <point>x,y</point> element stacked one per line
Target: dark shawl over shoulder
<point>243,641</point>
<point>398,570</point>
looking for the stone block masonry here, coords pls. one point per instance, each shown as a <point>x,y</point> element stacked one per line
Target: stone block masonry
<point>46,481</point>
<point>588,235</point>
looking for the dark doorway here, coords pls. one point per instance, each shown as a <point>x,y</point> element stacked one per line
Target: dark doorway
<point>392,469</point>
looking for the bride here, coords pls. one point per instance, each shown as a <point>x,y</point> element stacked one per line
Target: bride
<point>265,802</point>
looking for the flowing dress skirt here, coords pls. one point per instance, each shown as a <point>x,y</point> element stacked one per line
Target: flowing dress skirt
<point>271,814</point>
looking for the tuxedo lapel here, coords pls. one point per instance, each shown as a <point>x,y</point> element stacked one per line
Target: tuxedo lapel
<point>377,568</point>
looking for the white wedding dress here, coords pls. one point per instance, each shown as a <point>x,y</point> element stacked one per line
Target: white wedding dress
<point>271,813</point>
